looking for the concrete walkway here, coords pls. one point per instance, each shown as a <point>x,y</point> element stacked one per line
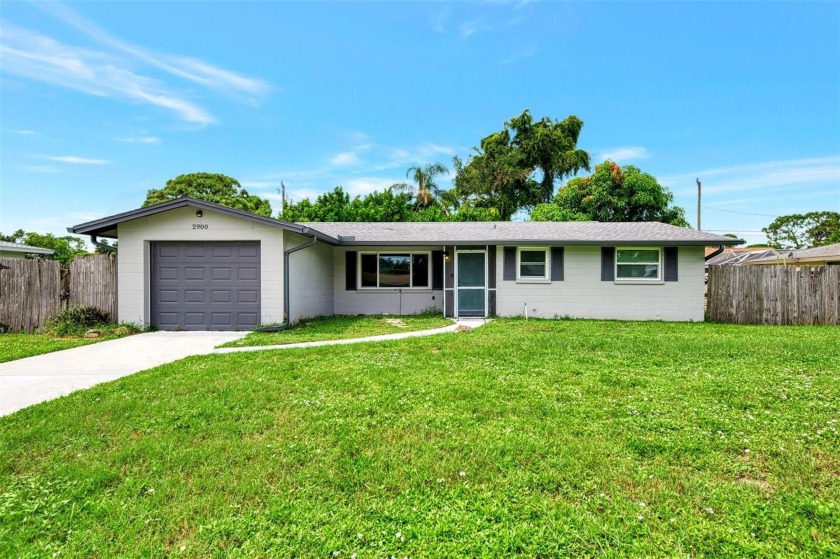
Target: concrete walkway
<point>32,380</point>
<point>464,322</point>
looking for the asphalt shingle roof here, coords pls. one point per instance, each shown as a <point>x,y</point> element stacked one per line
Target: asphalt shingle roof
<point>509,232</point>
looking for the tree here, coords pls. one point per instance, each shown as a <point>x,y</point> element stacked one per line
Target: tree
<point>64,248</point>
<point>385,206</point>
<point>804,230</point>
<point>612,194</point>
<point>338,206</point>
<point>517,167</point>
<point>212,187</point>
<point>425,190</point>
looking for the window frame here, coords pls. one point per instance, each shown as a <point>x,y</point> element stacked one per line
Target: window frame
<point>546,278</point>
<point>410,253</point>
<point>660,265</point>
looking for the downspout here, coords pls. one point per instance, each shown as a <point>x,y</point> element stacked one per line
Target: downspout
<point>103,246</point>
<point>286,305</point>
<point>715,253</point>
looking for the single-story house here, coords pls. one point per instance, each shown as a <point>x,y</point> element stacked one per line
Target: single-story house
<point>192,264</point>
<point>17,250</point>
<point>817,256</point>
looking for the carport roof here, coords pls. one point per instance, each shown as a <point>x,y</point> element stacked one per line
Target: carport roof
<point>107,226</point>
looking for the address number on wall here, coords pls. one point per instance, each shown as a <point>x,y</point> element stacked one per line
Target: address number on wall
<point>200,226</point>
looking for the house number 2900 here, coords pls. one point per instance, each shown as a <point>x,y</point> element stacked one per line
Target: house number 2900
<point>200,226</point>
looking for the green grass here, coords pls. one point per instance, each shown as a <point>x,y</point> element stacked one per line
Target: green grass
<point>18,346</point>
<point>538,439</point>
<point>341,328</point>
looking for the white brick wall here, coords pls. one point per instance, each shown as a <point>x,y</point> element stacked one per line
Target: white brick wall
<point>584,295</point>
<point>310,278</point>
<point>381,301</point>
<point>176,225</point>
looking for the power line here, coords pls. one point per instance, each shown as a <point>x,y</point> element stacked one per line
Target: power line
<point>737,212</point>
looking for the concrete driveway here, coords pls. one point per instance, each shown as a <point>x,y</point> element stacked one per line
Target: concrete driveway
<point>37,379</point>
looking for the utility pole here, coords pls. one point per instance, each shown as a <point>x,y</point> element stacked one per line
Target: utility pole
<point>698,204</point>
<point>282,198</point>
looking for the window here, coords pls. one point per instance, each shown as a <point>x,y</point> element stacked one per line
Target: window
<point>395,270</point>
<point>532,264</point>
<point>637,264</point>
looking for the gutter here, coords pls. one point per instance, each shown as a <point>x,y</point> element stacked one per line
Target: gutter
<point>286,303</point>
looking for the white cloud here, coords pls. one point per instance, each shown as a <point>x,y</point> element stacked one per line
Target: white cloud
<point>119,70</point>
<point>191,69</point>
<point>345,158</point>
<point>439,19</point>
<point>72,159</point>
<point>23,132</point>
<point>627,153</point>
<point>40,58</point>
<point>365,185</point>
<point>473,26</point>
<point>776,175</point>
<point>140,140</point>
<point>519,54</point>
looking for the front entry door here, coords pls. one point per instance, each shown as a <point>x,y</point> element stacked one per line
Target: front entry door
<point>472,283</point>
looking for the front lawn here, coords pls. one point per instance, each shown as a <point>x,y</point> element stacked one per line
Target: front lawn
<point>342,328</point>
<point>537,439</point>
<point>18,346</point>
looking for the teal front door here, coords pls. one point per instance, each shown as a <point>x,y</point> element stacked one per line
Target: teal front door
<point>471,275</point>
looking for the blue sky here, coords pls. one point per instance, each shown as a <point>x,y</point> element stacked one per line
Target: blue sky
<point>102,101</point>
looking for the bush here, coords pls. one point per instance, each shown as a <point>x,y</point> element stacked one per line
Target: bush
<point>77,320</point>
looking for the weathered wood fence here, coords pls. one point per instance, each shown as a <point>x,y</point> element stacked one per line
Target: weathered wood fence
<point>774,294</point>
<point>33,291</point>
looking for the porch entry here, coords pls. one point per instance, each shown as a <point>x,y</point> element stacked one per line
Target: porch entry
<point>471,282</point>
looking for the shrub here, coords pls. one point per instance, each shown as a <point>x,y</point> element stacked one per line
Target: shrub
<point>76,320</point>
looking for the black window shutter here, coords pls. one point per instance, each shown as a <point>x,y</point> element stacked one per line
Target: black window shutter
<point>556,263</point>
<point>509,273</point>
<point>350,270</point>
<point>671,263</point>
<point>437,269</point>
<point>607,263</point>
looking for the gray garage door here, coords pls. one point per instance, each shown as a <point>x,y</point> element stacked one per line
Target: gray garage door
<point>205,285</point>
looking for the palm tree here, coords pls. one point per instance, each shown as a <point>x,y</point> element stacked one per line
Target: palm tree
<point>424,189</point>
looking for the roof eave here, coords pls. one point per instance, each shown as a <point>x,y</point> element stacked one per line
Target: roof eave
<point>106,226</point>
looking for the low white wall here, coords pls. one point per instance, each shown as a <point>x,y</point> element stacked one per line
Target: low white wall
<point>310,278</point>
<point>381,301</point>
<point>583,295</point>
<point>133,259</point>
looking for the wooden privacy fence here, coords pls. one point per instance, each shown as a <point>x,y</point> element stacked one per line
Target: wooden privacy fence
<point>93,283</point>
<point>30,293</point>
<point>33,291</point>
<point>774,294</point>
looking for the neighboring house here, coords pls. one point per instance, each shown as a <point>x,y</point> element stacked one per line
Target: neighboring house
<point>17,250</point>
<point>817,256</point>
<point>733,256</point>
<point>191,264</point>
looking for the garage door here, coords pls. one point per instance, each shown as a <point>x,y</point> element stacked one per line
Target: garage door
<point>205,285</point>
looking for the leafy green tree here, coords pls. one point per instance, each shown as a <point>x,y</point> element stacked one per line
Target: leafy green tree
<point>338,206</point>
<point>517,167</point>
<point>212,187</point>
<point>804,230</point>
<point>64,248</point>
<point>385,206</point>
<point>612,194</point>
